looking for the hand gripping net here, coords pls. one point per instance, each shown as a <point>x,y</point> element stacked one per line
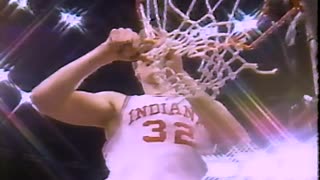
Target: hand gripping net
<point>215,42</point>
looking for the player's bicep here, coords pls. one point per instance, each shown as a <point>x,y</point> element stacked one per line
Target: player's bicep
<point>88,109</point>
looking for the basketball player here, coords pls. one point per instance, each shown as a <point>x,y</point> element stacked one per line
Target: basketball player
<point>156,136</point>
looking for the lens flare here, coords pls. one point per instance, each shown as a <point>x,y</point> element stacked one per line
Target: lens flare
<point>21,4</point>
<point>71,19</point>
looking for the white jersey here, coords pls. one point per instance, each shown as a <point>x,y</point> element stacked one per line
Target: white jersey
<point>159,138</point>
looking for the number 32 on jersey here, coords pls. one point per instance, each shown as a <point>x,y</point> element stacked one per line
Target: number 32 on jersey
<point>158,126</point>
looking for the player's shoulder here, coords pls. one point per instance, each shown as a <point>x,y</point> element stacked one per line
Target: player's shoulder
<point>114,93</point>
<point>116,99</point>
<point>111,95</point>
<point>119,100</point>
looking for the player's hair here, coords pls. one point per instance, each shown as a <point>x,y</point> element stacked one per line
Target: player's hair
<point>134,65</point>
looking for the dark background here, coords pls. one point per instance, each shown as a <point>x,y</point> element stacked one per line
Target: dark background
<point>34,147</point>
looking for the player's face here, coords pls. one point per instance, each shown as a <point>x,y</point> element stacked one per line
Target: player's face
<point>147,73</point>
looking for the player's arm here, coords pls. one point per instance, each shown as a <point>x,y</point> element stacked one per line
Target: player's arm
<point>58,98</point>
<point>219,122</point>
<point>223,126</point>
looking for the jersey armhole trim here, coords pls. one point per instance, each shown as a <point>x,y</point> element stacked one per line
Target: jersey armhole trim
<point>125,103</point>
<point>120,116</point>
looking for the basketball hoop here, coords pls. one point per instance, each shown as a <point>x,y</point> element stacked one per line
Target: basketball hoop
<point>217,41</point>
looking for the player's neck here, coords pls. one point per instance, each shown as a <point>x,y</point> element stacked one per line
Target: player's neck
<point>159,90</point>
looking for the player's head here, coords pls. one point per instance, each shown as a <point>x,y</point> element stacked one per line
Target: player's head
<point>146,73</point>
<point>148,76</point>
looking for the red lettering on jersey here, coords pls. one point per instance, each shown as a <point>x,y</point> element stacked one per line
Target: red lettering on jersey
<point>141,112</point>
<point>188,113</point>
<point>159,128</point>
<point>131,116</point>
<point>183,134</point>
<point>154,109</point>
<point>163,108</point>
<point>187,132</point>
<point>175,109</point>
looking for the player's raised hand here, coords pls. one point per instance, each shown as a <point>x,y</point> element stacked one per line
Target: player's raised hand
<point>123,44</point>
<point>174,61</point>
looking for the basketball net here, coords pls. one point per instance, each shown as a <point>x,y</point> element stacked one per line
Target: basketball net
<point>218,43</point>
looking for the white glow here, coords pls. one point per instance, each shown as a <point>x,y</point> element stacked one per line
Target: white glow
<point>204,31</point>
<point>249,169</point>
<point>291,160</point>
<point>307,98</point>
<point>248,23</point>
<point>244,22</point>
<point>71,20</point>
<point>25,96</point>
<point>221,167</point>
<point>21,4</point>
<point>291,157</point>
<point>4,75</point>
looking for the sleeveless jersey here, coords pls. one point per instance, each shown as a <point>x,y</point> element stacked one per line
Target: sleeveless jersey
<point>159,138</point>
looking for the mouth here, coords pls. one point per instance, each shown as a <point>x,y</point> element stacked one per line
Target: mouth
<point>155,79</point>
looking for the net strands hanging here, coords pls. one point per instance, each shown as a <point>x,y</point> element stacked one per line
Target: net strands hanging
<point>215,42</point>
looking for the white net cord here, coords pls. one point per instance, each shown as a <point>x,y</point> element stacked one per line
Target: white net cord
<point>217,43</point>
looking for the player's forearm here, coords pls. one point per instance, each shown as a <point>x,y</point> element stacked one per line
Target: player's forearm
<point>214,115</point>
<point>56,88</point>
<point>218,120</point>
